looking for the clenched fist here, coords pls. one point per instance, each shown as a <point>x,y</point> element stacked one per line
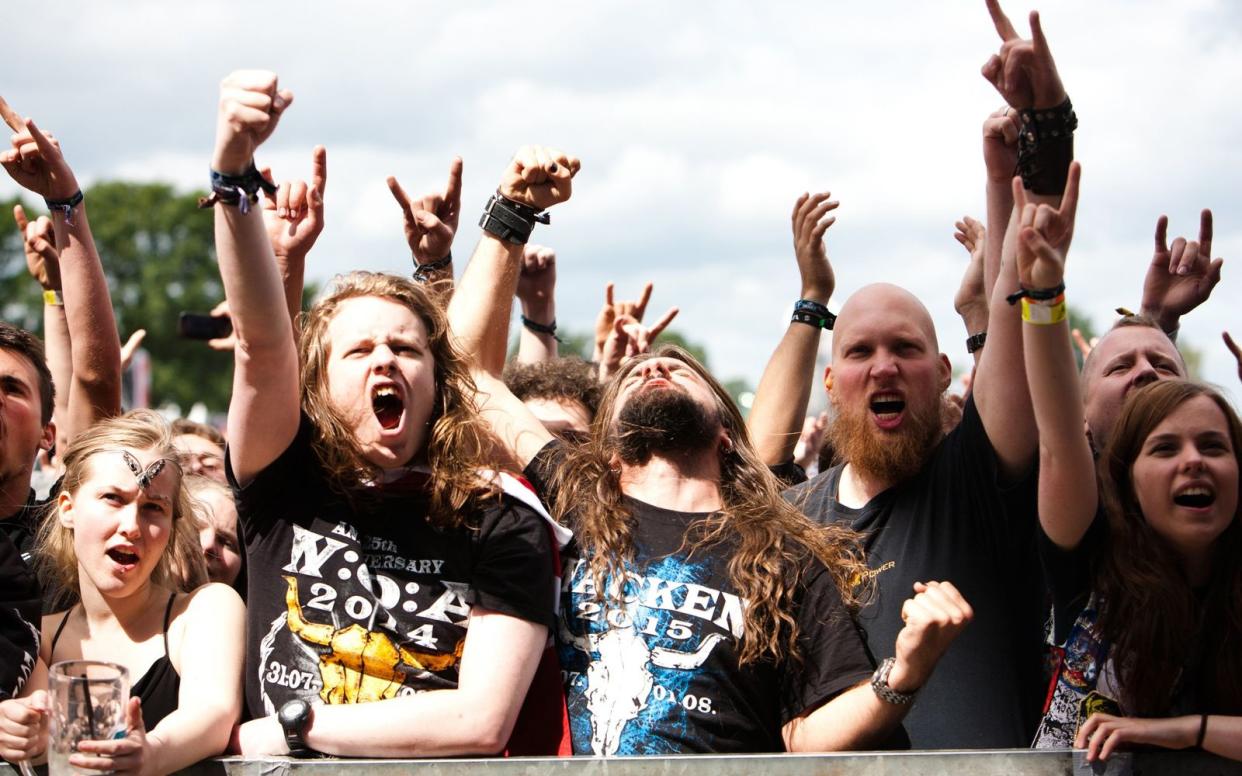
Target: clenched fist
<point>539,177</point>
<point>251,104</point>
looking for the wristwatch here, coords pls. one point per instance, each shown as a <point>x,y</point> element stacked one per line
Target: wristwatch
<point>879,683</point>
<point>294,717</point>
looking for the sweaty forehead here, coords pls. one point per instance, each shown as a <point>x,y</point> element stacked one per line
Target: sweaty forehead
<point>880,311</point>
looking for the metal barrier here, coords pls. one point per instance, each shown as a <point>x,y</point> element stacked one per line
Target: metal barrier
<point>1009,762</point>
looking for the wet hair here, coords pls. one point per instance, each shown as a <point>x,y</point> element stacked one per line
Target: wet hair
<point>185,426</point>
<point>30,347</point>
<point>181,565</point>
<point>1155,621</point>
<point>558,379</point>
<point>770,543</point>
<point>458,445</point>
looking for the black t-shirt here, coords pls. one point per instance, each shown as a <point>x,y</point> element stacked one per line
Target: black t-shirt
<point>20,606</point>
<point>954,521</point>
<point>347,605</point>
<point>661,676</point>
<point>22,526</point>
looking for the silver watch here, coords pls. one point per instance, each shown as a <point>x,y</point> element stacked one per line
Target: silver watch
<point>879,683</point>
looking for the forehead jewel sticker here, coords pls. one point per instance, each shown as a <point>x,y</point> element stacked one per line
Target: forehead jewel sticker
<point>146,476</point>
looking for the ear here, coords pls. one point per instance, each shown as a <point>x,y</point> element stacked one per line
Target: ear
<point>828,384</point>
<point>48,437</point>
<point>725,442</point>
<point>64,509</point>
<point>946,373</point>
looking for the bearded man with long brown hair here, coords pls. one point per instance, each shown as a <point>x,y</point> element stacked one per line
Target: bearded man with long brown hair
<point>699,612</point>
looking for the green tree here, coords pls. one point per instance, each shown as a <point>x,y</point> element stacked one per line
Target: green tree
<point>158,253</point>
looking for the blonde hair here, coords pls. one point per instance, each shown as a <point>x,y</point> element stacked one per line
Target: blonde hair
<point>181,565</point>
<point>458,445</point>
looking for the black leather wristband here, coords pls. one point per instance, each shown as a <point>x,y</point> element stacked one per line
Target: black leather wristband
<point>974,343</point>
<point>510,221</point>
<point>1046,147</point>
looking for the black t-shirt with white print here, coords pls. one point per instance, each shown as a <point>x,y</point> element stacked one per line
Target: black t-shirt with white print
<point>955,521</point>
<point>20,604</point>
<point>355,603</point>
<point>661,675</point>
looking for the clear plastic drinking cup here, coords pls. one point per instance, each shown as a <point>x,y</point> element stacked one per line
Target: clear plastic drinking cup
<point>88,700</point>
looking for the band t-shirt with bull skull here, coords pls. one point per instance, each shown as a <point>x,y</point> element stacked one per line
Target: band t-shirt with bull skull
<point>661,675</point>
<point>350,605</point>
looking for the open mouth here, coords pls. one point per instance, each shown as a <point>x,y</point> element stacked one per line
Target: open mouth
<point>122,557</point>
<point>1195,497</point>
<point>387,406</point>
<point>887,406</point>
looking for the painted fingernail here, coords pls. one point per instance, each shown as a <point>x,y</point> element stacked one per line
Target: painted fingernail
<point>553,168</point>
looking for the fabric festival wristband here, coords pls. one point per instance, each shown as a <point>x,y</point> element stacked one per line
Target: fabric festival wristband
<point>240,191</point>
<point>65,206</point>
<point>1043,313</point>
<point>814,314</point>
<point>53,297</point>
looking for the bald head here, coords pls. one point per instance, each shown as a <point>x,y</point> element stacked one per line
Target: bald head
<point>882,306</point>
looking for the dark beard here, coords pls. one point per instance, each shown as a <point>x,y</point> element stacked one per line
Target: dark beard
<point>887,457</point>
<point>664,421</point>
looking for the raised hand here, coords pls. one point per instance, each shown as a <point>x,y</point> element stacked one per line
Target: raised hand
<point>971,298</point>
<point>1181,276</point>
<point>1235,350</point>
<point>131,347</point>
<point>36,163</point>
<point>1000,143</point>
<point>251,104</point>
<point>612,310</point>
<point>629,338</point>
<point>294,214</point>
<point>810,440</point>
<point>431,220</point>
<point>223,343</point>
<point>1044,234</point>
<point>1023,70</point>
<point>810,222</point>
<point>933,618</point>
<point>539,177</point>
<point>537,280</point>
<point>39,240</point>
<point>1084,345</point>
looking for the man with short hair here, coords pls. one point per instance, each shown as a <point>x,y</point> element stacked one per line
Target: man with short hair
<point>562,392</point>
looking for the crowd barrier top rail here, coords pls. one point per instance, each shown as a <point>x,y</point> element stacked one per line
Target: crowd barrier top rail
<point>1010,762</point>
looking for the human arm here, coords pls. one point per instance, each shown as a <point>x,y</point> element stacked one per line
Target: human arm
<point>1067,480</point>
<point>535,291</point>
<point>779,408</point>
<point>1102,734</point>
<point>1180,277</point>
<point>1234,349</point>
<point>43,262</point>
<point>94,392</point>
<point>479,311</point>
<point>859,718</point>
<point>294,218</point>
<point>971,301</point>
<point>430,227</point>
<point>1000,158</point>
<point>497,664</point>
<point>263,411</point>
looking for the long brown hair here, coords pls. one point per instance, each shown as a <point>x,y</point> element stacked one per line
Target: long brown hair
<point>1148,611</point>
<point>180,567</point>
<point>771,542</point>
<point>457,446</point>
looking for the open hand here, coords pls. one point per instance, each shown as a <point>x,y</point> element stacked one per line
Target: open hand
<point>971,296</point>
<point>539,177</point>
<point>36,163</point>
<point>1044,234</point>
<point>1102,734</point>
<point>810,222</point>
<point>294,214</point>
<point>39,240</point>
<point>431,220</point>
<point>1181,276</point>
<point>1023,71</point>
<point>251,104</point>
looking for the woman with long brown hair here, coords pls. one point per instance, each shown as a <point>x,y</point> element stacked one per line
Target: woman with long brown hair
<point>1143,564</point>
<point>398,602</point>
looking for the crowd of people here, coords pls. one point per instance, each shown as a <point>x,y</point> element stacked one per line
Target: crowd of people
<point>408,547</point>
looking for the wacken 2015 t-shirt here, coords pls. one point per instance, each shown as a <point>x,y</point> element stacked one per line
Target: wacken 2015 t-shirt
<point>349,603</point>
<point>660,674</point>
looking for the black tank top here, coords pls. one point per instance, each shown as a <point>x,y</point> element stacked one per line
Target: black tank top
<point>159,686</point>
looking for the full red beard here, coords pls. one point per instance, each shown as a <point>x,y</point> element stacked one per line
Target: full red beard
<point>892,456</point>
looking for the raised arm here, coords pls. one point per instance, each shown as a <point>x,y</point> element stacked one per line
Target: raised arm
<point>1067,480</point>
<point>1026,76</point>
<point>971,300</point>
<point>43,261</point>
<point>263,412</point>
<point>294,218</point>
<point>537,178</point>
<point>779,409</point>
<point>1181,276</point>
<point>430,227</point>
<point>536,291</point>
<point>94,392</point>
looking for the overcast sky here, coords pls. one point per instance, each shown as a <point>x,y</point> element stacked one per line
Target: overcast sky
<point>698,124</point>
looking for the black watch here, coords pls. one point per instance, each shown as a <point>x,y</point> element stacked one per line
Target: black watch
<point>294,717</point>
